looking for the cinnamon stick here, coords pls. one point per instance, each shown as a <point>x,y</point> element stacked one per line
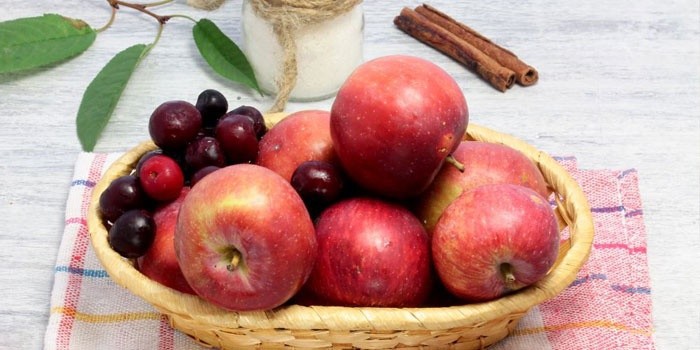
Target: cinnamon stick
<point>524,74</point>
<point>421,28</point>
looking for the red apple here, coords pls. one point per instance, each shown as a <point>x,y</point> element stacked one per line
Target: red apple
<point>371,253</point>
<point>244,239</point>
<point>299,137</point>
<point>493,240</point>
<point>394,121</point>
<point>485,163</point>
<point>160,263</point>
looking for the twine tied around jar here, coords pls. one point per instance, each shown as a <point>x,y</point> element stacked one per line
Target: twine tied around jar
<point>285,16</point>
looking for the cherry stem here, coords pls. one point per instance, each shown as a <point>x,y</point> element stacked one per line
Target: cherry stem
<point>508,277</point>
<point>184,16</point>
<point>157,3</point>
<point>141,8</point>
<point>155,41</point>
<point>111,20</point>
<point>454,162</point>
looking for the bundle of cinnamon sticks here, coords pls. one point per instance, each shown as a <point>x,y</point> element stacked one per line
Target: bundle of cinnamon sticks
<point>500,67</point>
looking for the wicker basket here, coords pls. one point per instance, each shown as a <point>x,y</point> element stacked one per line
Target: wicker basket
<point>472,326</point>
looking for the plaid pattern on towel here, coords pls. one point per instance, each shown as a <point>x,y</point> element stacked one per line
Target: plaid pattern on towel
<point>608,306</point>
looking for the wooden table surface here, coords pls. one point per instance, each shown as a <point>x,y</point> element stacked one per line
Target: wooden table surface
<point>619,88</point>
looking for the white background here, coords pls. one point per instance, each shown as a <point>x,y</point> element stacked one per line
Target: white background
<point>619,88</point>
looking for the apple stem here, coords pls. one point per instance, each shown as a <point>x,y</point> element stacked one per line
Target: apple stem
<point>235,260</point>
<point>508,277</point>
<point>454,162</point>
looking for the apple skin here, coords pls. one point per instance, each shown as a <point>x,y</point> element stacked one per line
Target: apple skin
<point>160,263</point>
<point>371,253</point>
<point>244,239</point>
<point>299,137</point>
<point>493,240</point>
<point>485,163</point>
<point>394,121</point>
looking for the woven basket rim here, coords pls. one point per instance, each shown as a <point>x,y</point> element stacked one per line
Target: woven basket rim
<point>169,301</point>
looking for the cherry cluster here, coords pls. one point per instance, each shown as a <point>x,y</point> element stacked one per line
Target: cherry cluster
<point>192,141</point>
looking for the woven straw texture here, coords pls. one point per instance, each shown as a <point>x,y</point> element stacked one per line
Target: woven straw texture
<point>472,326</point>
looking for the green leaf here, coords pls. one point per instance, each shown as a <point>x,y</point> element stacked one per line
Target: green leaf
<point>37,41</point>
<point>103,93</point>
<point>222,54</point>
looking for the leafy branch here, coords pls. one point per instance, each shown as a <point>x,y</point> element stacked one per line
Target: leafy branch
<point>33,42</point>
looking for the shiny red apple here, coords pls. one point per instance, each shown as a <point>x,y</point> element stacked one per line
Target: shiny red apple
<point>485,163</point>
<point>244,239</point>
<point>394,121</point>
<point>299,137</point>
<point>493,240</point>
<point>160,263</point>
<point>371,253</point>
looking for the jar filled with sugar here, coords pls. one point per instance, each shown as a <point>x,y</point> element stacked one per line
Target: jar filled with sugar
<point>302,50</point>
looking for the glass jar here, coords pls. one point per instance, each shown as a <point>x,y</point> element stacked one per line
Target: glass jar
<point>326,52</point>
